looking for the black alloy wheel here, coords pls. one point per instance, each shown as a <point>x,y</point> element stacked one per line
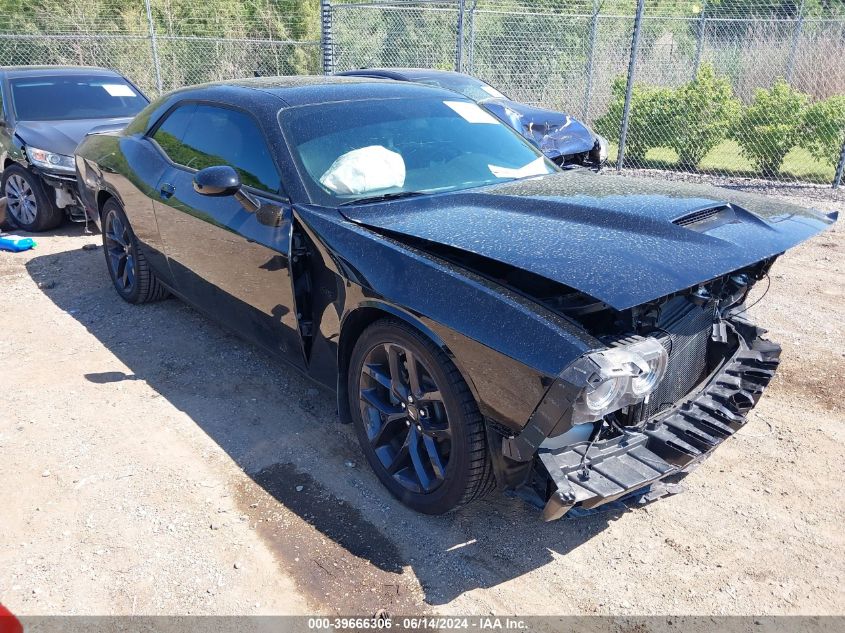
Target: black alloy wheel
<point>120,252</point>
<point>416,420</point>
<point>405,419</point>
<point>131,275</point>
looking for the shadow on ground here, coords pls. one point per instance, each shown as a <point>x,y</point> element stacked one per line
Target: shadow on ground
<point>283,432</point>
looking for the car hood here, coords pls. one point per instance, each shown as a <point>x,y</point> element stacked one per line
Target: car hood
<point>62,137</point>
<point>624,241</point>
<point>555,133</point>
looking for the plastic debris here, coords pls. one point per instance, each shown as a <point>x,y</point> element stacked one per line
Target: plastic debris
<point>15,243</point>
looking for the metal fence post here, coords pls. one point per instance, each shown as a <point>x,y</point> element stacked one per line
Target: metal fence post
<point>154,46</point>
<point>326,36</point>
<point>796,37</point>
<point>471,52</point>
<point>699,43</point>
<point>837,179</point>
<point>629,90</point>
<point>459,44</point>
<point>588,92</point>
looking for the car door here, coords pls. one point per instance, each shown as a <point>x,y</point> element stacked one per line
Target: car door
<point>223,260</point>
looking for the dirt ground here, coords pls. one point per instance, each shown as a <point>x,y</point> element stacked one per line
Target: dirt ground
<point>150,463</point>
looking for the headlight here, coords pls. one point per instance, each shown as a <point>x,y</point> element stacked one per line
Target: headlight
<point>620,376</point>
<point>656,359</point>
<point>600,397</point>
<point>48,160</point>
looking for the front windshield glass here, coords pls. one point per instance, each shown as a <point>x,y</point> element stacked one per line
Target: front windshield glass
<point>66,97</point>
<point>386,147</point>
<point>470,87</point>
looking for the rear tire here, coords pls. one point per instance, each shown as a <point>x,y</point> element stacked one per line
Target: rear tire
<point>423,434</point>
<point>130,272</point>
<point>28,203</point>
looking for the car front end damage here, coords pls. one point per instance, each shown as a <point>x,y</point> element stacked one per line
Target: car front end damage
<point>564,140</point>
<point>47,148</point>
<point>65,193</point>
<point>646,283</point>
<point>58,175</point>
<point>599,435</point>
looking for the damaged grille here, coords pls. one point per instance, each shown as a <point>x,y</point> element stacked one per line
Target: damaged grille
<point>684,330</point>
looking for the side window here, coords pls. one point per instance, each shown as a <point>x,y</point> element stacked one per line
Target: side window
<point>169,134</point>
<point>219,136</point>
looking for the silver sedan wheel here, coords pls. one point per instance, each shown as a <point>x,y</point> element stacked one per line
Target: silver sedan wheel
<point>20,199</point>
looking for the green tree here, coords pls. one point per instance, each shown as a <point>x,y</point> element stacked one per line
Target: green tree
<point>651,118</point>
<point>823,129</point>
<point>770,127</point>
<point>704,111</point>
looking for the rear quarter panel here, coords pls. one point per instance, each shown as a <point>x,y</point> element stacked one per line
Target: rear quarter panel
<point>127,168</point>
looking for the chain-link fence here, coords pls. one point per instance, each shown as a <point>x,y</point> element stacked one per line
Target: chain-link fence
<point>732,87</point>
<point>743,88</point>
<point>164,44</point>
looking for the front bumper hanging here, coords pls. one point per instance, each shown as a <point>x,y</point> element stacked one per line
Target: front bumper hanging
<point>669,443</point>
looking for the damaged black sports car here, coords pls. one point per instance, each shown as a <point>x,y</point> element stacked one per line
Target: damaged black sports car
<point>485,317</point>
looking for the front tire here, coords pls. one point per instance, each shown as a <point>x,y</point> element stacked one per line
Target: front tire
<point>130,273</point>
<point>28,205</point>
<point>417,422</point>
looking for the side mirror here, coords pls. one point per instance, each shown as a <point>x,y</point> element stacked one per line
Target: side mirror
<point>221,180</point>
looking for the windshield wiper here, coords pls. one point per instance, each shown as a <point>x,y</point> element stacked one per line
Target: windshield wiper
<point>395,195</point>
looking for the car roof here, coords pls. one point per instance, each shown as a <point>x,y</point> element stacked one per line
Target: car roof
<point>299,90</point>
<point>404,74</point>
<point>42,71</point>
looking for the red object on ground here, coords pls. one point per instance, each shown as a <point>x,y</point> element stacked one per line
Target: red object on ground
<point>8,622</point>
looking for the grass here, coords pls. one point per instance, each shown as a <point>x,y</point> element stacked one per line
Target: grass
<point>727,159</point>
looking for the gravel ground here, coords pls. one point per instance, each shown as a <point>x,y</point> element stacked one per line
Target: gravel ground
<point>154,464</point>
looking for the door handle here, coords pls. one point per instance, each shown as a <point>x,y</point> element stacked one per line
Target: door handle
<point>166,190</point>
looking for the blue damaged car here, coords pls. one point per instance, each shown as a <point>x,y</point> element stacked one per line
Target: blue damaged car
<point>564,140</point>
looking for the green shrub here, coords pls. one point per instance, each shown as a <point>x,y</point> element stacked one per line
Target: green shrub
<point>704,111</point>
<point>649,123</point>
<point>823,129</point>
<point>770,126</point>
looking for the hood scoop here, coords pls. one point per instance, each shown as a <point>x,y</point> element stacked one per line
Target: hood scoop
<point>707,219</point>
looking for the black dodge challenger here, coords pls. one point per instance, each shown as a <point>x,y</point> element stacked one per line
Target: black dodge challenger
<point>485,317</point>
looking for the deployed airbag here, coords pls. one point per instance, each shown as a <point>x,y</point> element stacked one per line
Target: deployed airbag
<point>364,170</point>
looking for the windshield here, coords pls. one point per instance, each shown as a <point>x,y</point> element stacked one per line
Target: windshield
<point>365,149</point>
<point>66,97</point>
<point>470,87</point>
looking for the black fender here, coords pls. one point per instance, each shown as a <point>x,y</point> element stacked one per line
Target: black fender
<point>479,324</point>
